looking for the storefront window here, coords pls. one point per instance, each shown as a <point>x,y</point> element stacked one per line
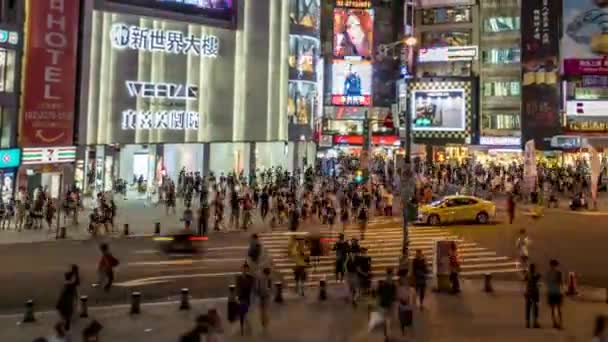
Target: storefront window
<point>507,88</point>
<point>501,121</point>
<point>446,15</point>
<point>501,24</point>
<point>7,70</point>
<point>501,56</point>
<point>446,38</point>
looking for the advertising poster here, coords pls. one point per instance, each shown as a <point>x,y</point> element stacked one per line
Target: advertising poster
<point>49,85</point>
<point>353,33</point>
<point>438,110</point>
<point>304,15</point>
<point>530,171</point>
<point>585,36</point>
<point>351,83</point>
<point>303,53</point>
<point>540,118</point>
<point>301,102</point>
<point>214,9</point>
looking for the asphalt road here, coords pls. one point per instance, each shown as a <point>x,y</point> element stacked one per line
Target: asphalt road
<point>35,271</point>
<point>578,240</point>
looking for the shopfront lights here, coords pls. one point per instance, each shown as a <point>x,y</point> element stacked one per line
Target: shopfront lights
<point>411,41</point>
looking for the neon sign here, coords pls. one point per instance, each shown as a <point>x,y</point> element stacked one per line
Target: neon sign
<point>172,120</point>
<point>169,91</point>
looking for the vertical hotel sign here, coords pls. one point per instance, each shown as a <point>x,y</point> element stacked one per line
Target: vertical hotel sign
<point>540,117</point>
<point>49,85</point>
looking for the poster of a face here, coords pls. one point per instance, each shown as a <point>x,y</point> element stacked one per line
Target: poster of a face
<point>301,102</point>
<point>585,29</point>
<point>353,32</point>
<point>351,83</point>
<point>302,55</point>
<point>438,110</point>
<point>305,13</point>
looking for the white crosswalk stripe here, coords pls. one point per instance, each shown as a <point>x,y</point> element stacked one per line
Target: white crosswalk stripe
<point>384,247</point>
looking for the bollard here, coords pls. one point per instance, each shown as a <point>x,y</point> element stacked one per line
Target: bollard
<point>84,310</point>
<point>125,229</point>
<point>157,228</point>
<point>62,233</point>
<point>29,312</point>
<point>322,290</point>
<point>572,291</point>
<point>185,304</point>
<point>488,283</point>
<point>135,303</point>
<point>278,297</point>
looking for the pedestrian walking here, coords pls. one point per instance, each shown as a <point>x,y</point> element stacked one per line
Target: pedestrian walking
<point>302,260</point>
<point>511,207</point>
<point>522,244</point>
<point>245,283</point>
<point>67,297</point>
<point>554,280</point>
<point>454,268</point>
<point>404,307</point>
<point>387,293</point>
<point>532,296</point>
<point>341,249</point>
<point>351,269</point>
<point>420,273</point>
<point>362,217</point>
<point>105,268</point>
<point>599,331</point>
<point>263,291</point>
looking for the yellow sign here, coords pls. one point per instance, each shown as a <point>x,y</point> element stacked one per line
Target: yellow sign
<point>588,126</point>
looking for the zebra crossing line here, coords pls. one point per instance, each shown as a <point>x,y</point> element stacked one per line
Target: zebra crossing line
<point>384,246</point>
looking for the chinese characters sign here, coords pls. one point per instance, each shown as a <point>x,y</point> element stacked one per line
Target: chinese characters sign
<point>49,86</point>
<point>354,3</point>
<point>540,72</point>
<point>144,39</point>
<point>174,119</point>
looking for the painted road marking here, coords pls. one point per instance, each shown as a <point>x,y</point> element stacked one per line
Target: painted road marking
<point>170,278</point>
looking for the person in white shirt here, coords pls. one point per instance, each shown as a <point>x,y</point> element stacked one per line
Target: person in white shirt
<point>522,244</point>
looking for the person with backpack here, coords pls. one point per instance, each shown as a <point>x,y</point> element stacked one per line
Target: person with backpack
<point>105,267</point>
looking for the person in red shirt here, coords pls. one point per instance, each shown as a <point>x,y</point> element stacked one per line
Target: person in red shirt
<point>105,268</point>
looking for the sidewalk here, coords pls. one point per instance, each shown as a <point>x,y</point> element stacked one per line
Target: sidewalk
<point>472,316</point>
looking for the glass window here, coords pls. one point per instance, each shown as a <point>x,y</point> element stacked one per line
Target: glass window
<point>501,24</point>
<point>501,56</point>
<point>506,88</point>
<point>446,15</point>
<point>446,38</point>
<point>504,122</point>
<point>6,117</point>
<point>7,70</point>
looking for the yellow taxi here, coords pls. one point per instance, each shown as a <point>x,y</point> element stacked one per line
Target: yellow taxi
<point>458,208</point>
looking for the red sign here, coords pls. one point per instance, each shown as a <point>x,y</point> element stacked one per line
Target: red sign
<point>49,86</point>
<point>578,67</point>
<point>358,139</point>
<point>343,100</point>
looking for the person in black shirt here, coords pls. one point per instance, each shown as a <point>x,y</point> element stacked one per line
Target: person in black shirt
<point>341,248</point>
<point>264,204</point>
<point>532,296</point>
<point>387,293</point>
<point>351,268</point>
<point>364,267</point>
<point>244,287</point>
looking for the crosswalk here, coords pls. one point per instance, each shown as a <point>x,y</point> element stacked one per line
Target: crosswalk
<point>384,246</point>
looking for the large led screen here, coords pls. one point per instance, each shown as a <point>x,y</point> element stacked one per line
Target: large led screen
<point>438,110</point>
<point>353,32</point>
<point>304,15</point>
<point>303,53</point>
<point>351,83</point>
<point>301,102</point>
<point>216,9</point>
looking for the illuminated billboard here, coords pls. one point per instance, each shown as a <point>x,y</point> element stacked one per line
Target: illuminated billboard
<point>438,110</point>
<point>351,83</point>
<point>301,102</point>
<point>214,9</point>
<point>353,33</point>
<point>303,52</point>
<point>304,15</point>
